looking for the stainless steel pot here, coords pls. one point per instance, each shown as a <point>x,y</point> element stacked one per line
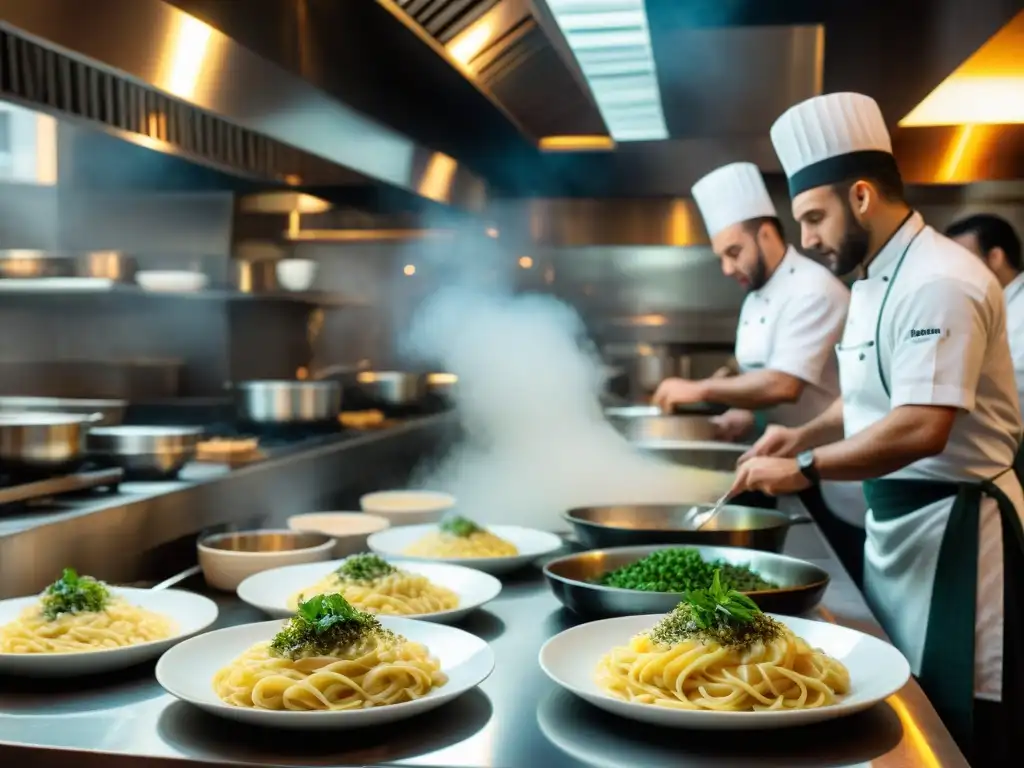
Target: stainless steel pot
<point>144,452</point>
<point>111,412</point>
<point>442,384</point>
<point>627,525</point>
<point>645,423</point>
<point>801,584</point>
<point>394,388</point>
<point>43,443</point>
<point>288,402</point>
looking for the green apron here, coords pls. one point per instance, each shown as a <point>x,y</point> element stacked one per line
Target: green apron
<point>947,666</point>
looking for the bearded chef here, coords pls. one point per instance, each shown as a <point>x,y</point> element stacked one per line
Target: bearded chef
<point>791,319</point>
<point>932,424</point>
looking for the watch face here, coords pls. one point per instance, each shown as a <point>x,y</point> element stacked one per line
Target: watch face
<point>805,460</point>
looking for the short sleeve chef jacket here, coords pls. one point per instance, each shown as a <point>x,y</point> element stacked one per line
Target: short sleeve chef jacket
<point>942,341</point>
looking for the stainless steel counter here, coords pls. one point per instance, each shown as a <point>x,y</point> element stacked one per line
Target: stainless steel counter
<point>517,718</point>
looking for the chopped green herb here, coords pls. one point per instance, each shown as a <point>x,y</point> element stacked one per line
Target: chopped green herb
<point>324,624</point>
<point>459,526</point>
<point>680,570</point>
<point>717,614</point>
<point>72,593</point>
<point>364,568</point>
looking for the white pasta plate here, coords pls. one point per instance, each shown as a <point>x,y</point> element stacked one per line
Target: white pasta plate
<point>530,542</point>
<point>187,671</point>
<point>877,670</point>
<point>190,612</point>
<point>269,591</point>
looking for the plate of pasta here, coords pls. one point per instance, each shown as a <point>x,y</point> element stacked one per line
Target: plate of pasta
<point>494,549</point>
<point>717,662</point>
<point>81,626</point>
<point>371,583</point>
<point>329,667</point>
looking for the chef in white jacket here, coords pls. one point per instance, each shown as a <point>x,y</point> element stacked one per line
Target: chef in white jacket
<point>791,319</point>
<point>931,418</point>
<point>994,241</point>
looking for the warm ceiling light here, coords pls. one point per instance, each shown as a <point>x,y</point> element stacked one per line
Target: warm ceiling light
<point>525,262</point>
<point>988,88</point>
<point>182,65</point>
<point>492,232</point>
<point>409,269</point>
<point>436,183</point>
<point>576,143</point>
<point>612,44</point>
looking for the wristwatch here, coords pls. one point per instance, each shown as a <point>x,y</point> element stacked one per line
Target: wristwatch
<point>805,461</point>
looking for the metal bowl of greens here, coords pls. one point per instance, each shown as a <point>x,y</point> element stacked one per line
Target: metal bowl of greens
<point>627,581</point>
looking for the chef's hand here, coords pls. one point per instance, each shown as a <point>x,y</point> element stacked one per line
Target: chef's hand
<point>733,424</point>
<point>783,442</point>
<point>769,475</point>
<point>673,392</point>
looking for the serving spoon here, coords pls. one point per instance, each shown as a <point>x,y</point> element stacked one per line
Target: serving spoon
<point>706,516</point>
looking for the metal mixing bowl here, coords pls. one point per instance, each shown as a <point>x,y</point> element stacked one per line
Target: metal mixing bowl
<point>801,584</point>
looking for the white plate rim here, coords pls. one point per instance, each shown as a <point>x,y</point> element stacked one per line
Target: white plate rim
<point>131,594</point>
<point>215,705</point>
<point>485,579</point>
<point>553,545</point>
<point>740,720</point>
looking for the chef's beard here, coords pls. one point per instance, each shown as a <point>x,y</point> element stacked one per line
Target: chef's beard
<point>759,274</point>
<point>853,249</point>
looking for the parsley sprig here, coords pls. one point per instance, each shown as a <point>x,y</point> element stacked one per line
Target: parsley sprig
<point>459,526</point>
<point>323,624</point>
<point>716,604</point>
<point>72,594</point>
<point>363,568</point>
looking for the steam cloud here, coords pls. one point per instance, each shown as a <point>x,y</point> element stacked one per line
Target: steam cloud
<point>528,392</point>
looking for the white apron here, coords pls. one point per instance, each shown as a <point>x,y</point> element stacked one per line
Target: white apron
<point>902,552</point>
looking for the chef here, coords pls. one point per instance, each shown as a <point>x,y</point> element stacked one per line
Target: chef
<point>791,319</point>
<point>992,239</point>
<point>931,418</point>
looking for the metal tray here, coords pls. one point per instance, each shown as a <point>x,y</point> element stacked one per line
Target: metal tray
<point>802,584</point>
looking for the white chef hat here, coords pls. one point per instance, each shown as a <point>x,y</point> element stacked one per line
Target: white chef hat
<point>731,194</point>
<point>833,138</point>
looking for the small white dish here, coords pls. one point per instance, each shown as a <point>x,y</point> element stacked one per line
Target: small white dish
<point>227,559</point>
<point>187,672</point>
<point>296,274</point>
<point>877,670</point>
<point>269,591</point>
<point>408,507</point>
<point>530,542</point>
<point>171,280</point>
<point>349,529</point>
<point>192,613</point>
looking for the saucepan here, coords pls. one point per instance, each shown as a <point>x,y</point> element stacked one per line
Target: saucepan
<point>43,443</point>
<point>637,525</point>
<point>144,452</point>
<point>393,388</point>
<point>288,402</point>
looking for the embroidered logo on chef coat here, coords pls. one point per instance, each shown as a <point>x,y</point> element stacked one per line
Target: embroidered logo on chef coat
<point>925,334</point>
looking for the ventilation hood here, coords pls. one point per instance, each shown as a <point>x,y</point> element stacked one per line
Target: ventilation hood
<point>156,76</point>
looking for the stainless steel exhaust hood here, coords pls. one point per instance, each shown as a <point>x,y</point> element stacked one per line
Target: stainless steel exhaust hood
<point>153,74</point>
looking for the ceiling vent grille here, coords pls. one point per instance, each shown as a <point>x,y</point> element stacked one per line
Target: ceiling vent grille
<point>444,19</point>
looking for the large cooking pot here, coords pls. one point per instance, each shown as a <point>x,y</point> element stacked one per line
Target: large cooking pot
<point>43,443</point>
<point>288,402</point>
<point>393,388</point>
<point>144,452</point>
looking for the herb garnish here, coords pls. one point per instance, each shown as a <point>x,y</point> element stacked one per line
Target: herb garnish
<point>459,526</point>
<point>681,570</point>
<point>364,568</point>
<point>719,615</point>
<point>72,593</point>
<point>324,624</point>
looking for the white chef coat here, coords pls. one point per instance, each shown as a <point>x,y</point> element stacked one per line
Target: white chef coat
<point>942,341</point>
<point>791,324</point>
<point>1014,295</point>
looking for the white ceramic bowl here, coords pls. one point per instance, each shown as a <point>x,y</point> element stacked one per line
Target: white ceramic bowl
<point>296,274</point>
<point>530,542</point>
<point>192,613</point>
<point>227,559</point>
<point>269,591</point>
<point>187,671</point>
<point>349,529</point>
<point>877,670</point>
<point>171,280</point>
<point>408,507</point>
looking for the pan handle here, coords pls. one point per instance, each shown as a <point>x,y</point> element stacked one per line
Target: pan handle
<point>178,578</point>
<point>94,418</point>
<point>800,518</point>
